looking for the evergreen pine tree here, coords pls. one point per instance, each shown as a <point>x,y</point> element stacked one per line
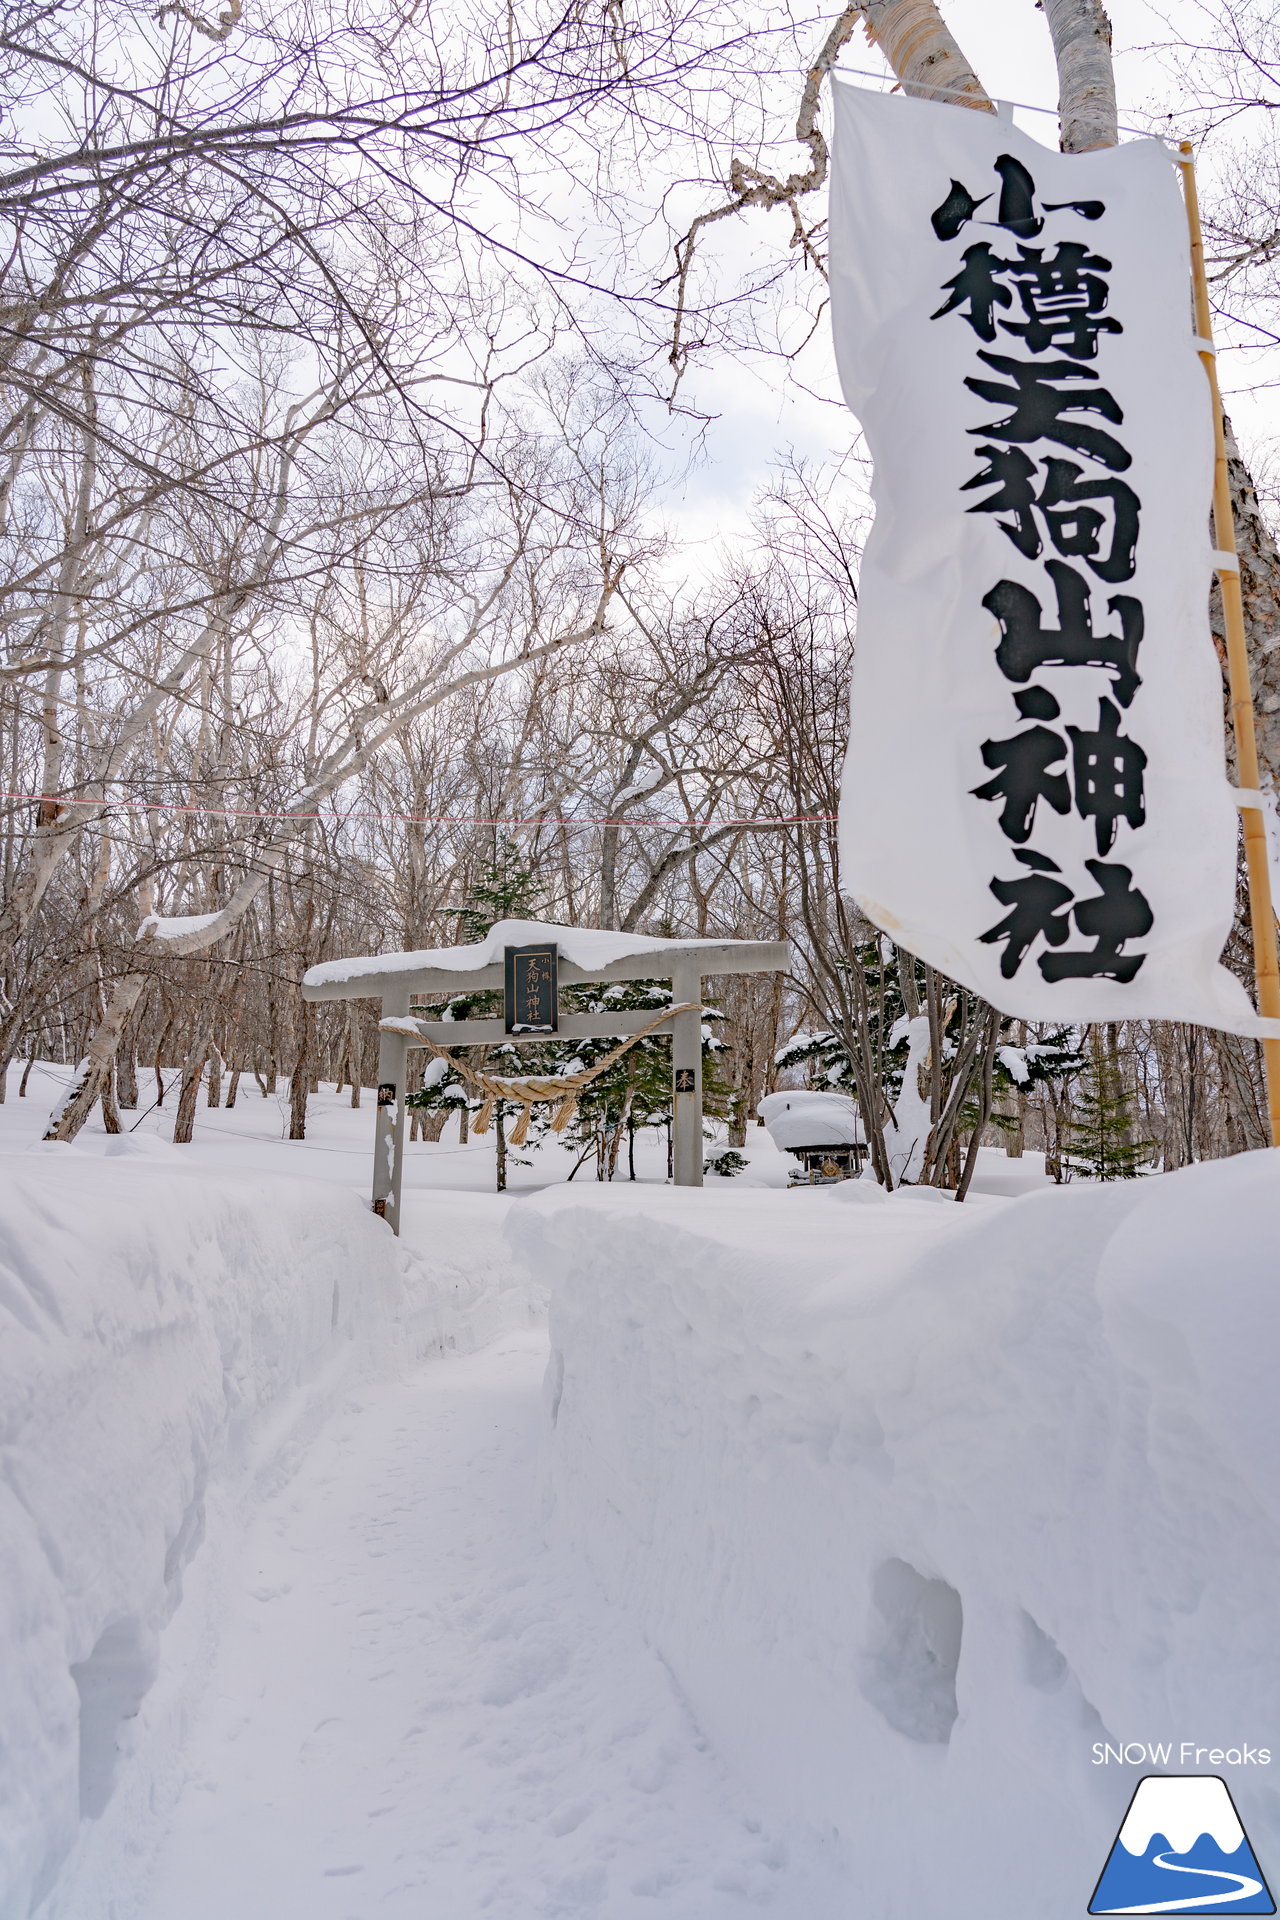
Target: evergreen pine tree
<point>822,1052</point>
<point>636,1091</point>
<point>1101,1135</point>
<point>1054,1057</point>
<point>1020,1066</point>
<point>506,890</point>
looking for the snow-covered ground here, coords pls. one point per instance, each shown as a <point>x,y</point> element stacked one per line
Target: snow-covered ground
<point>838,1533</point>
<point>419,1709</point>
<point>280,1607</point>
<point>926,1515</point>
<point>339,1147</point>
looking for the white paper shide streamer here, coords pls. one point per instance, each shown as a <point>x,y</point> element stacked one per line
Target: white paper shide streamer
<point>1035,799</point>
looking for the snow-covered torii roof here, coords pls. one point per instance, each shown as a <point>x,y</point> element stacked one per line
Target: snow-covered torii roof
<point>586,953</point>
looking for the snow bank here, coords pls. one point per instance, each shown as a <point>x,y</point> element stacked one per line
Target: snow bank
<point>166,1336</point>
<point>922,1503</point>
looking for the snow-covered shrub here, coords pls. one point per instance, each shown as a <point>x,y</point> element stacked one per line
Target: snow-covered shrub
<point>725,1161</point>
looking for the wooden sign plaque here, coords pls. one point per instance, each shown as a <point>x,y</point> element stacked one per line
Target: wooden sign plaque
<point>532,989</point>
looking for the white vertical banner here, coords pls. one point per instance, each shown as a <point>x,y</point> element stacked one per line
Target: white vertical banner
<point>1035,798</point>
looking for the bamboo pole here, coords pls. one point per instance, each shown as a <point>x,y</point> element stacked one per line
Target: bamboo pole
<point>1261,909</point>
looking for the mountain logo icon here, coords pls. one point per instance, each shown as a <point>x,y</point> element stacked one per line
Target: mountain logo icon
<point>1181,1849</point>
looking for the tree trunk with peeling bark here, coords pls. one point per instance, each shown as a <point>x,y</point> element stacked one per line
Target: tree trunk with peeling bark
<point>355,1052</point>
<point>1086,76</point>
<point>77,1103</point>
<point>110,1111</point>
<point>192,1074</point>
<point>300,1082</point>
<point>1260,587</point>
<point>922,51</point>
<point>127,1072</point>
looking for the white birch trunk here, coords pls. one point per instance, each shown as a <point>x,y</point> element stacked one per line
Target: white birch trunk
<point>1260,587</point>
<point>920,48</point>
<point>1086,77</point>
<point>91,1075</point>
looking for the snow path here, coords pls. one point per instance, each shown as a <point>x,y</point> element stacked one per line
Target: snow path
<point>417,1709</point>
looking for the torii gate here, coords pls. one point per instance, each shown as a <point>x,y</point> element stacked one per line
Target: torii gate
<point>582,954</point>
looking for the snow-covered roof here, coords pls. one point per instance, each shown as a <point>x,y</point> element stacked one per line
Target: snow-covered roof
<point>586,953</point>
<point>806,1117</point>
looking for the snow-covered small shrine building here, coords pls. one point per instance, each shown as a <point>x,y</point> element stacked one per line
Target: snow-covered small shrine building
<point>527,961</point>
